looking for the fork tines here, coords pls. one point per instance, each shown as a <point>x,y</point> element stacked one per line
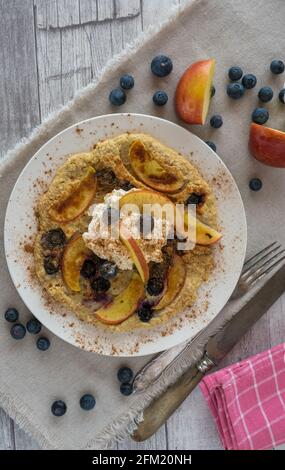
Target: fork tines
<point>262,263</point>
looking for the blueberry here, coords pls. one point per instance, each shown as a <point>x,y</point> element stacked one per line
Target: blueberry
<point>100,285</point>
<point>53,238</point>
<point>51,264</point>
<point>160,98</point>
<point>213,91</point>
<point>282,96</point>
<point>87,402</point>
<point>235,90</point>
<point>108,270</point>
<point>249,81</point>
<point>43,343</point>
<point>216,121</point>
<point>195,198</point>
<point>277,66</point>
<point>211,145</point>
<point>58,408</point>
<point>265,94</point>
<point>260,115</point>
<point>117,97</point>
<point>127,82</point>
<point>161,65</point>
<point>125,375</point>
<point>11,315</point>
<point>235,73</point>
<point>126,185</point>
<point>255,184</point>
<point>88,269</point>
<point>145,313</point>
<point>34,326</point>
<point>18,331</point>
<point>126,389</point>
<point>155,286</point>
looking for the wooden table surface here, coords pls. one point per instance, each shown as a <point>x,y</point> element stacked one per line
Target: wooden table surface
<point>49,49</point>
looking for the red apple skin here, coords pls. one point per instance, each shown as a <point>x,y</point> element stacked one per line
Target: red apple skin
<point>193,92</point>
<point>267,145</point>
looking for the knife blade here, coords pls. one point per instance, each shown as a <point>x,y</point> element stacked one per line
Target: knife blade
<point>216,349</point>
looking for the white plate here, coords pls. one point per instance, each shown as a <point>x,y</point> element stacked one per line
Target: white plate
<point>20,224</point>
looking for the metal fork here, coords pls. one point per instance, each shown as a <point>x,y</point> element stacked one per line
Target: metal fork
<point>254,269</point>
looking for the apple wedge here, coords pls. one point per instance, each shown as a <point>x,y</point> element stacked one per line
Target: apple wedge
<point>193,92</point>
<point>175,281</point>
<point>136,253</point>
<point>74,255</point>
<point>267,145</point>
<point>124,305</point>
<point>151,172</point>
<point>205,235</point>
<point>77,202</point>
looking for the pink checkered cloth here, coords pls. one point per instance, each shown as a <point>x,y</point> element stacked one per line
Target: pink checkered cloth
<point>247,401</point>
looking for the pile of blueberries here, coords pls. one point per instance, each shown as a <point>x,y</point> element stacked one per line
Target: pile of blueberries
<point>125,376</point>
<point>18,330</point>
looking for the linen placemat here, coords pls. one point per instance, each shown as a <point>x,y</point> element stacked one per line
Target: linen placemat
<point>250,34</point>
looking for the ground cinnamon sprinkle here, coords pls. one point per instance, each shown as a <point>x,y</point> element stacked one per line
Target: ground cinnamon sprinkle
<point>28,248</point>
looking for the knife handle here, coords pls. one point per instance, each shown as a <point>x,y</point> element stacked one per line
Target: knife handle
<point>155,415</point>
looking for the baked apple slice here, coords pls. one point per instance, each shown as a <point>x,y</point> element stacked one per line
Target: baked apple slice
<point>74,255</point>
<point>175,281</point>
<point>267,145</point>
<point>136,253</point>
<point>77,202</point>
<point>124,305</point>
<point>193,92</point>
<point>205,235</point>
<point>151,172</point>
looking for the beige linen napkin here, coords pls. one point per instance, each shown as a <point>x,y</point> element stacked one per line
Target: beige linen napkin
<point>249,34</point>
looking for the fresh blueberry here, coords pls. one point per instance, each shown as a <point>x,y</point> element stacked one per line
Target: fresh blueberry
<point>145,313</point>
<point>43,343</point>
<point>235,73</point>
<point>18,331</point>
<point>58,408</point>
<point>277,66</point>
<point>235,90</point>
<point>117,97</point>
<point>53,238</point>
<point>249,81</point>
<point>125,375</point>
<point>213,91</point>
<point>260,115</point>
<point>282,96</point>
<point>51,264</point>
<point>255,184</point>
<point>265,94</point>
<point>88,269</point>
<point>108,270</point>
<point>216,121</point>
<point>127,82</point>
<point>33,326</point>
<point>160,98</point>
<point>87,402</point>
<point>126,389</point>
<point>155,286</point>
<point>100,285</point>
<point>161,65</point>
<point>11,315</point>
<point>195,198</point>
<point>211,145</point>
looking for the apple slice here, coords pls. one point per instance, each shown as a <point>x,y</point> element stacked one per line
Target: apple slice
<point>74,255</point>
<point>151,172</point>
<point>124,305</point>
<point>77,202</point>
<point>205,235</point>
<point>136,253</point>
<point>267,145</point>
<point>193,92</point>
<point>175,281</point>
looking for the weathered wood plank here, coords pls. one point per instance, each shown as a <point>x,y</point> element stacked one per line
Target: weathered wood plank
<point>105,10</point>
<point>68,13</point>
<point>87,10</point>
<point>276,316</point>
<point>125,8</point>
<point>46,14</point>
<point>6,432</point>
<point>154,13</point>
<point>23,441</point>
<point>157,442</point>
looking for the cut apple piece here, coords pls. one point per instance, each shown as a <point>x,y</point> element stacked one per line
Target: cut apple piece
<point>145,196</point>
<point>124,305</point>
<point>74,255</point>
<point>136,253</point>
<point>267,145</point>
<point>151,172</point>
<point>193,92</point>
<point>77,202</point>
<point>175,281</point>
<point>205,235</point>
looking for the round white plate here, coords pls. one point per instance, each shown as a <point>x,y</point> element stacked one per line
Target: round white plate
<point>20,226</point>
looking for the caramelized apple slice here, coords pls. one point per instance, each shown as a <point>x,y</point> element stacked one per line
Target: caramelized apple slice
<point>73,258</point>
<point>205,235</point>
<point>136,253</point>
<point>77,202</point>
<point>124,305</point>
<point>151,172</point>
<point>175,281</point>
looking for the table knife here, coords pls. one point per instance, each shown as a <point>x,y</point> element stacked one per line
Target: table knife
<point>216,349</point>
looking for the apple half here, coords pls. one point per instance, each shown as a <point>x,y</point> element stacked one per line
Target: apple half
<point>267,145</point>
<point>175,281</point>
<point>193,92</point>
<point>77,202</point>
<point>124,305</point>
<point>74,255</point>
